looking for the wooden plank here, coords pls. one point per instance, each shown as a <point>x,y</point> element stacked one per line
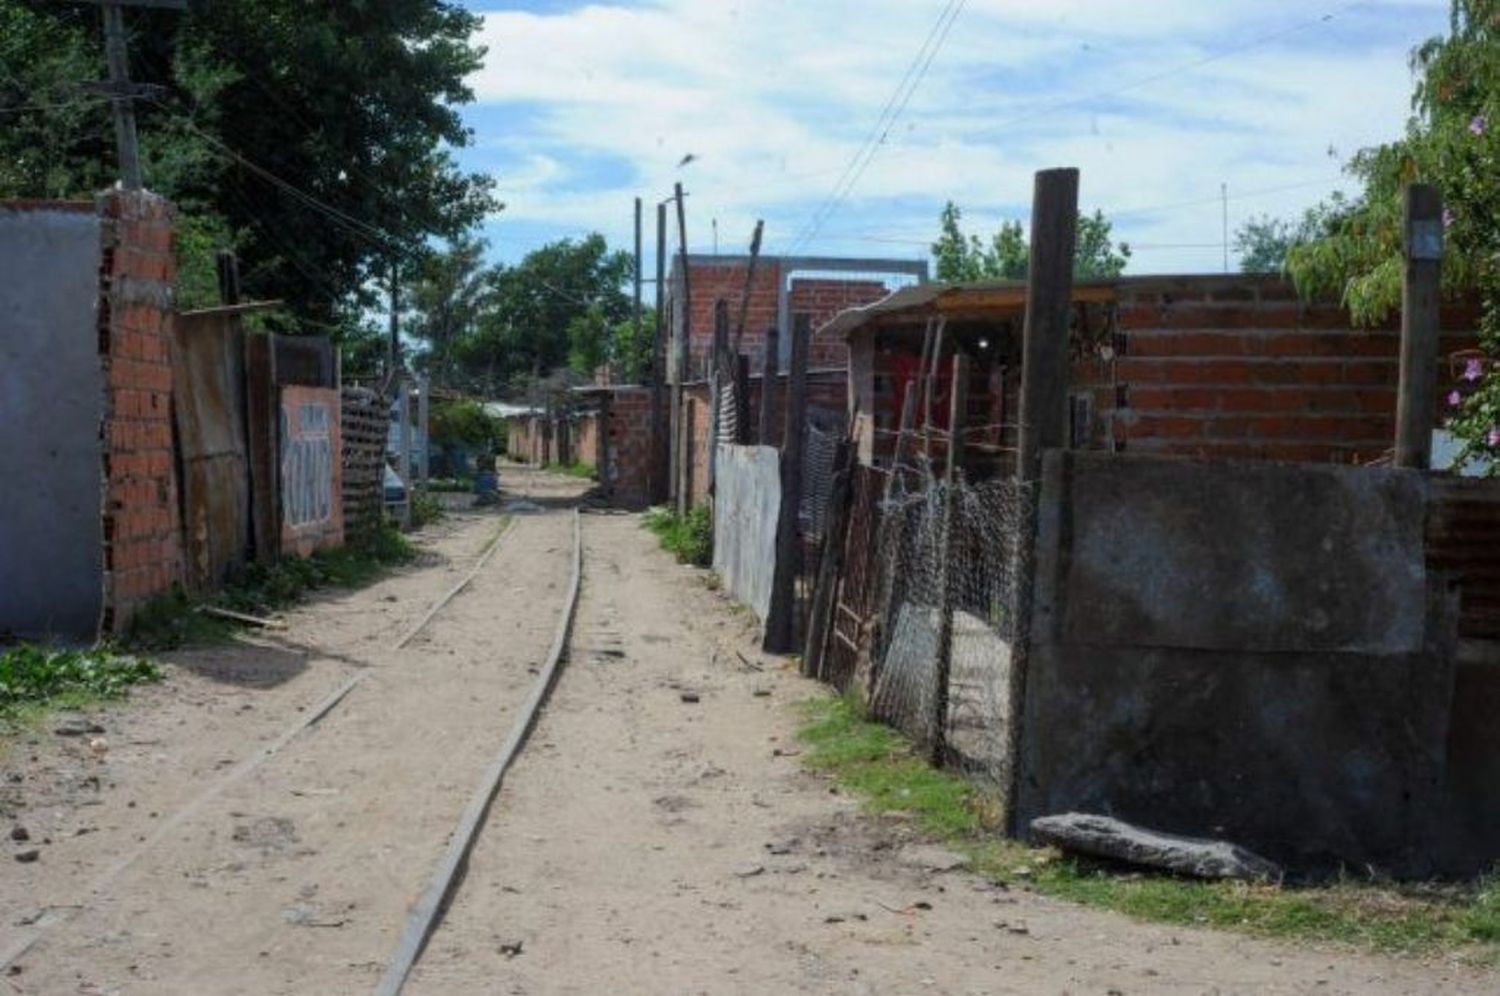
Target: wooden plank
<point>781,619</point>
<point>769,370</point>
<point>830,566</point>
<point>958,416</point>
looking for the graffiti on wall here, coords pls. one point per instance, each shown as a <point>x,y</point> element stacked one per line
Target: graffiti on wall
<point>311,467</point>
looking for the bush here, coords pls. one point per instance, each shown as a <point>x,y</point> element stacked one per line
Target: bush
<point>690,537</point>
<point>425,509</point>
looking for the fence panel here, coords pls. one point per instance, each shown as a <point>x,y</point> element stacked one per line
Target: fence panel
<point>746,511</point>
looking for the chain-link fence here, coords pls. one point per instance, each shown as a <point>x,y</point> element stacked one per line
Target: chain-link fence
<point>944,593</point>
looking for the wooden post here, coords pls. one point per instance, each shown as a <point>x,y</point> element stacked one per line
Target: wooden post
<point>636,315</point>
<point>124,107</point>
<point>682,331</point>
<point>1416,399</point>
<point>718,385</point>
<point>781,619</point>
<point>1044,413</point>
<point>830,564</point>
<point>228,266</point>
<point>739,327</point>
<point>958,420</point>
<point>742,399</point>
<point>661,421</point>
<point>769,367</point>
<point>1049,308</point>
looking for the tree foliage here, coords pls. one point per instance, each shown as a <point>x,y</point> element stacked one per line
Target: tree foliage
<point>1452,141</point>
<point>1006,256</point>
<point>1264,242</point>
<point>353,105</point>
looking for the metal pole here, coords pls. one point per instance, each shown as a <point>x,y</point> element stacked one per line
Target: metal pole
<point>124,109</point>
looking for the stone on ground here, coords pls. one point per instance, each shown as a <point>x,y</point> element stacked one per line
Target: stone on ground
<point>1106,837</point>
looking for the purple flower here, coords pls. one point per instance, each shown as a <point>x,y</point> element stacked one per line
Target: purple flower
<point>1494,438</point>
<point>1478,124</point>
<point>1447,218</point>
<point>1455,399</point>
<point>1473,370</point>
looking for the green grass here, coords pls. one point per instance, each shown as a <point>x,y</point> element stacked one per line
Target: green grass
<point>878,765</point>
<point>575,469</point>
<point>690,538</point>
<point>425,509</point>
<point>35,680</point>
<point>173,620</point>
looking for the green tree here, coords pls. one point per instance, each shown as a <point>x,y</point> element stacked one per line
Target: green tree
<point>353,105</point>
<point>961,257</point>
<point>445,298</point>
<point>1452,141</point>
<point>1264,242</point>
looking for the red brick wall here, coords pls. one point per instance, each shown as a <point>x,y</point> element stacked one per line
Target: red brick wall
<point>142,548</point>
<point>628,475</point>
<point>821,298</point>
<point>1239,368</point>
<point>586,440</point>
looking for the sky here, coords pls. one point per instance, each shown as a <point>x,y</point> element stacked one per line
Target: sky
<point>581,107</point>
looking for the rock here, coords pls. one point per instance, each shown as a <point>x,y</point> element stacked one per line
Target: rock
<point>19,834</point>
<point>27,856</point>
<point>76,726</point>
<point>689,697</point>
<point>1105,837</point>
<point>930,857</point>
<point>749,871</point>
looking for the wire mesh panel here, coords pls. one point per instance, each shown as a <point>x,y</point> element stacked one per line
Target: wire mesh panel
<point>946,584</point>
<point>818,453</point>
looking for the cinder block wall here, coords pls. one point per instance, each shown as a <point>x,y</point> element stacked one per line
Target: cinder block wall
<point>142,529</point>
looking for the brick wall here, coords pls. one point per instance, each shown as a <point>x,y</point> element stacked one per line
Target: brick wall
<point>1240,368</point>
<point>823,298</point>
<point>628,475</point>
<point>586,440</point>
<point>142,548</point>
<point>820,298</point>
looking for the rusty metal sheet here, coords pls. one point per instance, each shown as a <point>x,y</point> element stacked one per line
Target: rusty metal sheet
<point>208,411</point>
<point>312,511</point>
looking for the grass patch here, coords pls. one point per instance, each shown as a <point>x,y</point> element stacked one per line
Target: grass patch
<point>450,485</point>
<point>34,679</point>
<point>880,766</point>
<point>173,620</point>
<point>577,469</point>
<point>689,537</point>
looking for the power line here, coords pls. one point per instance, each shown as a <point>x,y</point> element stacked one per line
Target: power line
<point>892,111</point>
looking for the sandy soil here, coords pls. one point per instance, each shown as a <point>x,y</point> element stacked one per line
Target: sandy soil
<point>643,843</point>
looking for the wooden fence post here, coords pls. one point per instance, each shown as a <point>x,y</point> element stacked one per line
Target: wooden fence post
<point>958,420</point>
<point>741,399</point>
<point>781,619</point>
<point>1044,412</point>
<point>769,368</point>
<point>1416,398</point>
<point>830,565</point>
<point>661,421</point>
<point>718,384</point>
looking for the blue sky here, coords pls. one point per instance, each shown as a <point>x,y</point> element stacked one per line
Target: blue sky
<point>583,106</point>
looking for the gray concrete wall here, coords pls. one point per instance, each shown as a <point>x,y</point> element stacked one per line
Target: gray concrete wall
<point>1251,651</point>
<point>747,508</point>
<point>51,403</point>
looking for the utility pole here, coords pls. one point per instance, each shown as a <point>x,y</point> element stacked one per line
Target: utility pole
<point>119,88</point>
<point>1421,325</point>
<point>637,272</point>
<point>1224,200</point>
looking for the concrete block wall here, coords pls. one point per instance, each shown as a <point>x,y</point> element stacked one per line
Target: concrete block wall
<point>141,517</point>
<point>1238,367</point>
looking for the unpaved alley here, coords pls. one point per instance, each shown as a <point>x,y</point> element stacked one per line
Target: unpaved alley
<point>657,835</point>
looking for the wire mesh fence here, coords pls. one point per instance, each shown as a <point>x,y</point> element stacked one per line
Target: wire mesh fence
<point>945,588</point>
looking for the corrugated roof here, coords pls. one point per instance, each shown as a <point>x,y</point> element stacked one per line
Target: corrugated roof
<point>948,299</point>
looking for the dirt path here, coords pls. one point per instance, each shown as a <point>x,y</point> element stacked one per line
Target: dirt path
<point>297,876</point>
<point>642,844</point>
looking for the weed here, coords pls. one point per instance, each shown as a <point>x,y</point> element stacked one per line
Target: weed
<point>173,620</point>
<point>425,509</point>
<point>33,675</point>
<point>575,469</point>
<point>690,537</point>
<point>880,765</point>
<point>450,485</point>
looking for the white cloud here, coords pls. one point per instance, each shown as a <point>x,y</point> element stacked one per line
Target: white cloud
<point>775,97</point>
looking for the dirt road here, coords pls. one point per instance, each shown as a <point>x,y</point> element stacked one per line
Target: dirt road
<point>643,843</point>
